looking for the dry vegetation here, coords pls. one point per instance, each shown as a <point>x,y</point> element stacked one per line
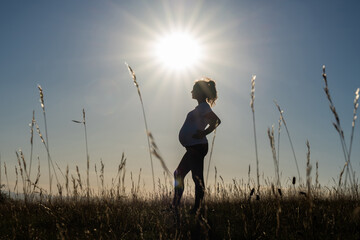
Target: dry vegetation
<point>230,212</point>
<point>239,210</point>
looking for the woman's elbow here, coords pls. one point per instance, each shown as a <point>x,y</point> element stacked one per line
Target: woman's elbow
<point>218,121</point>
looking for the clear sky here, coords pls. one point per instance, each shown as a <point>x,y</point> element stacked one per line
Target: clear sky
<point>76,51</point>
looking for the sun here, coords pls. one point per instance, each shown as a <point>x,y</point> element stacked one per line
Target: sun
<point>178,51</point>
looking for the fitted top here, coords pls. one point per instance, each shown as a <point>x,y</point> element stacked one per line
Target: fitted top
<point>195,120</point>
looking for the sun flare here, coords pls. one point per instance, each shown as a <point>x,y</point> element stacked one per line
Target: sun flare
<point>178,51</point>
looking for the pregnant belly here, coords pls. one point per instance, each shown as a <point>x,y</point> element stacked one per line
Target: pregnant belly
<point>185,135</point>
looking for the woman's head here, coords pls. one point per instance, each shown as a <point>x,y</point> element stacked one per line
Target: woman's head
<point>205,89</point>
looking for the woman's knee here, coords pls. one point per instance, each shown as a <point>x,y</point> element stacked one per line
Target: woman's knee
<point>177,173</point>
<point>179,179</point>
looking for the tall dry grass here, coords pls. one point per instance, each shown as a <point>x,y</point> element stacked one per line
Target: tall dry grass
<point>252,101</point>
<point>339,129</point>
<point>87,153</point>
<point>136,214</point>
<point>46,141</point>
<point>210,156</point>
<point>153,149</point>
<point>32,125</point>
<point>276,164</point>
<point>282,119</point>
<point>133,76</point>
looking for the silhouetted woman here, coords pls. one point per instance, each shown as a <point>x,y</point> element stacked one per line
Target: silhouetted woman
<point>198,123</point>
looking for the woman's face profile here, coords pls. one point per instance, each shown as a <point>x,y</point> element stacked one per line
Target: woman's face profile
<point>195,92</point>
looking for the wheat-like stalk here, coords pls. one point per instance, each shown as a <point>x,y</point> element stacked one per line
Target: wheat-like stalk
<point>133,76</point>
<point>21,173</point>
<point>37,177</point>
<point>97,179</point>
<point>356,105</point>
<point>32,124</point>
<point>42,103</point>
<point>49,158</point>
<point>215,181</point>
<point>79,178</point>
<point>155,151</point>
<point>249,171</point>
<point>317,186</point>
<point>288,133</point>
<point>308,169</point>
<point>7,179</point>
<point>24,163</point>
<point>87,158</point>
<point>338,127</point>
<point>308,183</point>
<point>278,148</point>
<point>102,178</point>
<point>16,181</point>
<point>254,127</point>
<point>75,193</point>
<point>210,156</point>
<point>123,180</point>
<point>276,166</point>
<point>67,180</point>
<point>87,154</point>
<point>25,179</point>
<point>121,168</point>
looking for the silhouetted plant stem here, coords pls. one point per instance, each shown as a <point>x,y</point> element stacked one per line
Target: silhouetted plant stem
<point>7,178</point>
<point>356,105</point>
<point>308,184</point>
<point>156,152</point>
<point>288,133</point>
<point>31,140</point>
<point>46,135</point>
<point>273,150</point>
<point>254,125</point>
<point>87,154</point>
<point>338,128</point>
<point>278,149</point>
<point>49,157</point>
<point>132,74</point>
<point>211,151</point>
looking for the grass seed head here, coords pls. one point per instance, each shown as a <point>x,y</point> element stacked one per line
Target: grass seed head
<point>132,74</point>
<point>83,115</point>
<point>252,92</point>
<point>356,105</point>
<point>41,97</point>
<point>324,74</point>
<point>40,135</point>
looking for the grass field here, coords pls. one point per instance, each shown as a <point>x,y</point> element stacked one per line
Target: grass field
<point>228,213</point>
<point>252,210</point>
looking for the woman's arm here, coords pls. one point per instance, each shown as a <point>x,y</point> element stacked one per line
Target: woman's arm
<point>214,122</point>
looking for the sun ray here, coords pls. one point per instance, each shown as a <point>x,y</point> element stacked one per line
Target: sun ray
<point>176,44</point>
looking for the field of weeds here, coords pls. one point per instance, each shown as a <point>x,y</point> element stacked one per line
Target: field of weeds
<point>225,215</point>
<point>252,210</point>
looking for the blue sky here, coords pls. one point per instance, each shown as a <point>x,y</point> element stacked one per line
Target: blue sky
<point>76,52</point>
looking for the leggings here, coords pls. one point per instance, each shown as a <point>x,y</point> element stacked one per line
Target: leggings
<point>193,160</point>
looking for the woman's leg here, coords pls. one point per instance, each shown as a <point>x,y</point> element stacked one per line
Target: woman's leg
<point>198,154</point>
<point>179,175</point>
